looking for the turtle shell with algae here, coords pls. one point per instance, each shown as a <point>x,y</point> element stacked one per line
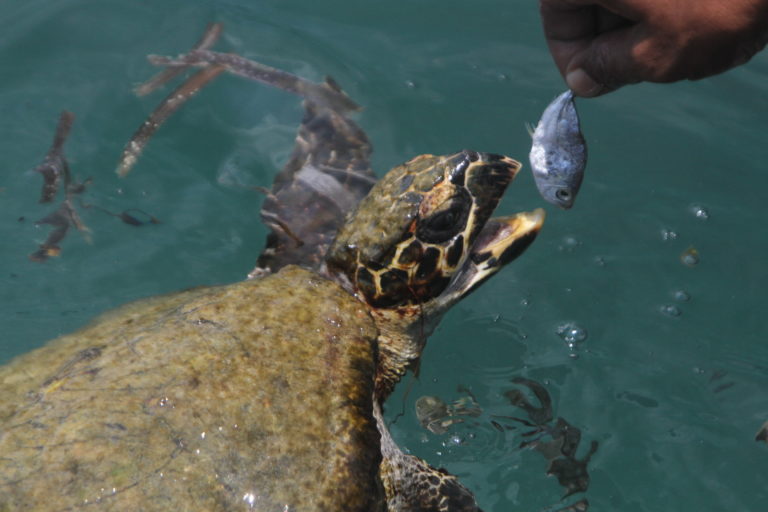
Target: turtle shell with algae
<point>254,394</point>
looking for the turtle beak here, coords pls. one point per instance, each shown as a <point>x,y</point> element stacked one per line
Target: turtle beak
<point>501,240</point>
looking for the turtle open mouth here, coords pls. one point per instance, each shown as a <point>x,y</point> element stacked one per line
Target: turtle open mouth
<point>501,240</point>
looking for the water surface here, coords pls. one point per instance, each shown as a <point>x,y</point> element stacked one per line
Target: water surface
<point>671,377</point>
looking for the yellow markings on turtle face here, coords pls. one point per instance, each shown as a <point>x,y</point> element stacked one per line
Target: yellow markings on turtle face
<point>417,267</point>
<point>403,278</point>
<point>441,193</point>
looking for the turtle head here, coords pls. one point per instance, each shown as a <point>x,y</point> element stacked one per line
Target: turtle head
<point>423,238</point>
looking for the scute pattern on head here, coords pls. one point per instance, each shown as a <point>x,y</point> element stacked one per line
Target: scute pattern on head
<point>413,231</point>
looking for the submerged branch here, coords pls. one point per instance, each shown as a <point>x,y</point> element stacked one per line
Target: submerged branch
<point>211,35</point>
<point>54,167</point>
<point>167,107</point>
<point>327,94</point>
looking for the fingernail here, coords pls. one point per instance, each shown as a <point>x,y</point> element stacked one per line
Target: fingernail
<point>582,84</point>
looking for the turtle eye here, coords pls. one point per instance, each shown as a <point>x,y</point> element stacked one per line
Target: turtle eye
<point>445,223</point>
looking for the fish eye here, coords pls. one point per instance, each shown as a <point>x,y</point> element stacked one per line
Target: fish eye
<point>563,194</point>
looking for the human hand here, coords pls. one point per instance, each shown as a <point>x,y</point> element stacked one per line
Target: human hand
<point>601,45</point>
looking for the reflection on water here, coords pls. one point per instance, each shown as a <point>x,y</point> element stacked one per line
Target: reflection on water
<point>536,428</point>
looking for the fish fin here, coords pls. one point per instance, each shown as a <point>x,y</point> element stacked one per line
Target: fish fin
<point>529,127</point>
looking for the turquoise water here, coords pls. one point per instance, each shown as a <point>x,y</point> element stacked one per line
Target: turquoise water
<point>672,389</point>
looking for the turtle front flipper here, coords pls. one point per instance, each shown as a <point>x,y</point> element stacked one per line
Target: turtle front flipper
<point>326,176</point>
<point>412,485</point>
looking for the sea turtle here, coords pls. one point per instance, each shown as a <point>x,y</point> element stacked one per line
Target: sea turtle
<point>267,394</point>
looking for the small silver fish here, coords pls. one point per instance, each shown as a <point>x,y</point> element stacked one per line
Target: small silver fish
<point>558,152</point>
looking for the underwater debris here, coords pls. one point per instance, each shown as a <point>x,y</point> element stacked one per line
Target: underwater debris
<point>332,181</point>
<point>173,101</point>
<point>55,172</point>
<point>208,39</point>
<point>61,220</point>
<point>327,94</point>
<point>126,217</point>
<point>167,107</point>
<point>54,167</point>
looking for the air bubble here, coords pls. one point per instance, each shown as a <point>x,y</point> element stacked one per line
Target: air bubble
<point>681,295</point>
<point>454,440</point>
<point>569,244</point>
<point>668,235</point>
<point>671,310</point>
<point>570,240</point>
<point>699,211</point>
<point>571,333</point>
<point>411,84</point>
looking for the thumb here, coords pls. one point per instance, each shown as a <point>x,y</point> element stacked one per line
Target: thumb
<point>605,63</point>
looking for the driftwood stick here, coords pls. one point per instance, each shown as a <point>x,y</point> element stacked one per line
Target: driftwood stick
<point>167,107</point>
<point>211,35</point>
